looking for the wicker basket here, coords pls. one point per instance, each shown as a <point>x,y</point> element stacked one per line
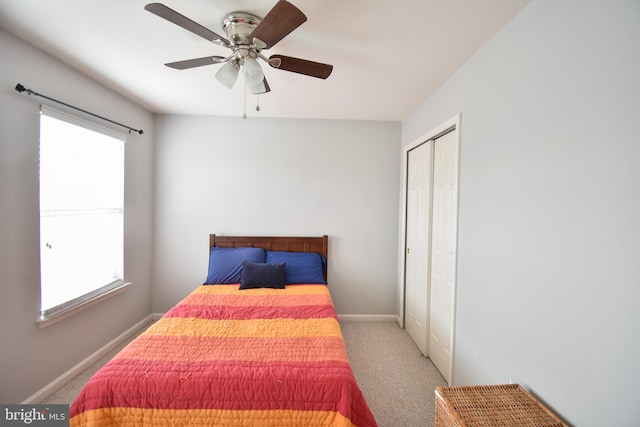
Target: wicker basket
<point>491,406</point>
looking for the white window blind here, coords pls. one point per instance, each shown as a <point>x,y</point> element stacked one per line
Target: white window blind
<point>81,211</point>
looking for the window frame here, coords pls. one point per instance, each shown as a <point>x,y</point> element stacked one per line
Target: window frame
<point>61,311</point>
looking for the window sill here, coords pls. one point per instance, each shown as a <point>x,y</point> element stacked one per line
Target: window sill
<point>45,321</point>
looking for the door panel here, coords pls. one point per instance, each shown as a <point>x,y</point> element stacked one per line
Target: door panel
<point>443,253</point>
<point>417,245</point>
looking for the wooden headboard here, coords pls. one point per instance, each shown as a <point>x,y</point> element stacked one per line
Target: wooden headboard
<point>287,244</point>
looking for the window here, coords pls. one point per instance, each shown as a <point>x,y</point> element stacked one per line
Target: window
<point>81,212</point>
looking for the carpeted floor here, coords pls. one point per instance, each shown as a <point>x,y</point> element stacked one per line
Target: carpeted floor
<point>397,381</point>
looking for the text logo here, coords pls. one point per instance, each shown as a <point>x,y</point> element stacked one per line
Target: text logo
<point>34,415</point>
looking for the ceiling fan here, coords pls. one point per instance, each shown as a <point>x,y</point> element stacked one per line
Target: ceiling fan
<point>247,36</point>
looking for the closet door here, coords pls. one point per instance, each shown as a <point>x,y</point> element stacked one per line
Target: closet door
<point>417,245</point>
<point>444,252</point>
<point>430,233</point>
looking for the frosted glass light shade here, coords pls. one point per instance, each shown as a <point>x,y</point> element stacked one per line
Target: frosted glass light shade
<point>227,74</point>
<point>252,72</point>
<point>258,88</point>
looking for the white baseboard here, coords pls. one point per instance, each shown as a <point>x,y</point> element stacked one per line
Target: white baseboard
<point>368,317</point>
<point>56,384</point>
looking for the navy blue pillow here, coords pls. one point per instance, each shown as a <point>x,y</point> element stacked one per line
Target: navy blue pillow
<point>301,267</point>
<point>262,276</point>
<point>225,264</point>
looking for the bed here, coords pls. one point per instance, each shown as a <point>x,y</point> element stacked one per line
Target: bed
<point>256,345</point>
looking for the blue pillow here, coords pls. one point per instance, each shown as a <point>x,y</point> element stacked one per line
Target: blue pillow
<point>262,276</point>
<point>225,264</point>
<point>301,267</point>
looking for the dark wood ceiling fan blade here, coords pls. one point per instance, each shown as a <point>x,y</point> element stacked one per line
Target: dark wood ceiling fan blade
<point>196,62</point>
<point>280,21</point>
<point>266,87</point>
<point>301,66</point>
<point>186,23</point>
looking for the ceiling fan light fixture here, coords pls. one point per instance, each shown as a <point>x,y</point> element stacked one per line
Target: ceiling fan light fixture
<point>247,36</point>
<point>261,87</point>
<point>228,74</point>
<point>252,72</point>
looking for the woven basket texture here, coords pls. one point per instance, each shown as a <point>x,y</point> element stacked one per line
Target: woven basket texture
<point>491,406</point>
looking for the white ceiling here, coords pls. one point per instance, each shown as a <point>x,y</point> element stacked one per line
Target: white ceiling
<point>388,56</point>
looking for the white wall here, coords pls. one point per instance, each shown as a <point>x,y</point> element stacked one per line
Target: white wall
<point>30,358</point>
<point>279,177</point>
<point>549,242</point>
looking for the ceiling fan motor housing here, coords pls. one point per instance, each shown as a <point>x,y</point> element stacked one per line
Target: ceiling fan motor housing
<point>238,26</point>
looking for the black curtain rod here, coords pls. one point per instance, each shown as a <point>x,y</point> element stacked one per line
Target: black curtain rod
<point>22,89</point>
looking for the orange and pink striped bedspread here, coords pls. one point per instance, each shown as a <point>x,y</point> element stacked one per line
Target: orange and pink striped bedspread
<point>226,357</point>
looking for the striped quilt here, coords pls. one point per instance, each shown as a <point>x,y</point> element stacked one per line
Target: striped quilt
<point>230,357</point>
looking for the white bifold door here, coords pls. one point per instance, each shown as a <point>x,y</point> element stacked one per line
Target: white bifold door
<point>431,247</point>
<point>418,240</point>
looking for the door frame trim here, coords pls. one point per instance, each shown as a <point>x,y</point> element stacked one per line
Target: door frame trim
<point>447,126</point>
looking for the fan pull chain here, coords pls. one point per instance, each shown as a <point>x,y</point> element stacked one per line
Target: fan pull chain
<point>244,115</point>
<point>258,104</point>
